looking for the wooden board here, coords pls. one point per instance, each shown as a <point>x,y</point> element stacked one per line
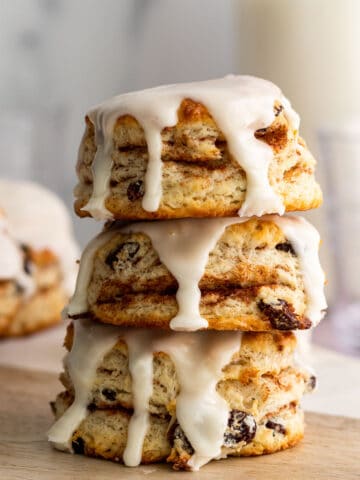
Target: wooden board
<point>331,449</point>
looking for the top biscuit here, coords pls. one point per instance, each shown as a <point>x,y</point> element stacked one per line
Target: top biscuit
<point>208,149</point>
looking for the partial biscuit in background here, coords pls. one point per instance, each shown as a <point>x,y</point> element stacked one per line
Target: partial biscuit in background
<point>38,256</point>
<point>23,312</point>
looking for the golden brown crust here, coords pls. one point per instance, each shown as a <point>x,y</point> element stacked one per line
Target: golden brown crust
<point>252,282</point>
<point>266,441</point>
<point>41,311</point>
<point>260,376</point>
<point>200,178</point>
<point>103,434</point>
<point>261,385</point>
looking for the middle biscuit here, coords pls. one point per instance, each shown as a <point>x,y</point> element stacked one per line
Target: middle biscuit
<point>255,274</point>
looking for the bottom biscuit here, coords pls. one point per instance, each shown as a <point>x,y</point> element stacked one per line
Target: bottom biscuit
<point>142,396</point>
<point>103,434</point>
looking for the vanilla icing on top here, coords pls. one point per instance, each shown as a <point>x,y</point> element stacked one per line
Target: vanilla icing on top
<point>12,259</point>
<point>38,218</point>
<point>199,359</point>
<point>184,247</point>
<point>240,105</point>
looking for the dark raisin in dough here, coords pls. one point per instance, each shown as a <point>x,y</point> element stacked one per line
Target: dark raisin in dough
<point>122,255</point>
<point>78,445</point>
<point>285,247</point>
<point>282,316</point>
<point>109,394</point>
<point>277,427</point>
<point>311,385</point>
<point>135,191</point>
<point>241,428</point>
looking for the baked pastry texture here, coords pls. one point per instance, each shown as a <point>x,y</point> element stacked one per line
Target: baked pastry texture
<point>38,256</point>
<point>103,434</point>
<point>23,312</point>
<point>199,176</point>
<point>261,385</point>
<point>253,281</point>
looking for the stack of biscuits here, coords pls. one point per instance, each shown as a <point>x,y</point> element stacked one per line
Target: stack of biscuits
<point>183,344</point>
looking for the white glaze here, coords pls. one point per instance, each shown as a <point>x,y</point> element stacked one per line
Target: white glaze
<point>240,105</point>
<point>184,247</point>
<point>305,241</point>
<point>38,218</point>
<point>198,357</point>
<point>91,342</point>
<point>78,303</point>
<point>140,354</point>
<point>12,260</point>
<point>201,412</point>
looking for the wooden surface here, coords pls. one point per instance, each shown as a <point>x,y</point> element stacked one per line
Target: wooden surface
<point>331,449</point>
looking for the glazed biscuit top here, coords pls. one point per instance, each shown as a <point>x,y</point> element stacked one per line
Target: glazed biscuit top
<point>37,218</point>
<point>240,105</point>
<point>184,246</point>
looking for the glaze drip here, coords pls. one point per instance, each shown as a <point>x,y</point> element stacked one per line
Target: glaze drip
<point>305,240</point>
<point>91,342</point>
<point>240,105</point>
<point>199,359</point>
<point>184,247</point>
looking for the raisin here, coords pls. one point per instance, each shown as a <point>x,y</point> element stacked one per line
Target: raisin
<point>27,261</point>
<point>261,131</point>
<point>278,109</point>
<point>241,428</point>
<point>122,255</point>
<point>91,407</point>
<point>109,394</point>
<point>285,247</point>
<point>311,384</point>
<point>135,190</point>
<point>281,315</point>
<point>181,442</point>
<point>277,427</point>
<point>78,445</point>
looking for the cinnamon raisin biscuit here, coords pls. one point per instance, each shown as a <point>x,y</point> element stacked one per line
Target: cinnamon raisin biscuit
<point>103,434</point>
<point>261,385</point>
<point>261,375</point>
<point>253,279</point>
<point>200,177</point>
